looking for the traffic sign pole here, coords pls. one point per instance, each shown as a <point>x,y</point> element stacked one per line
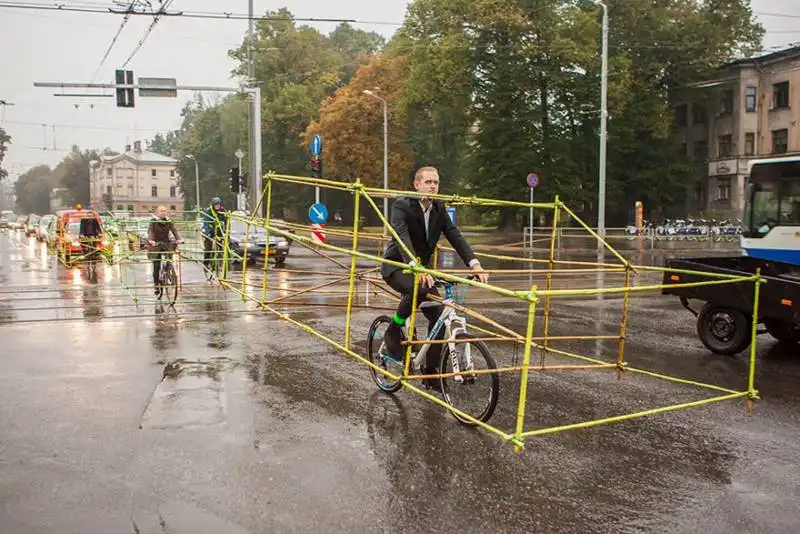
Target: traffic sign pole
<point>532,180</point>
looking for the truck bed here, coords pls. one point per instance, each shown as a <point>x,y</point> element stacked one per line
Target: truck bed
<point>780,295</point>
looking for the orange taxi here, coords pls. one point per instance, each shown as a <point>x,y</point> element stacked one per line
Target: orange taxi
<point>68,229</point>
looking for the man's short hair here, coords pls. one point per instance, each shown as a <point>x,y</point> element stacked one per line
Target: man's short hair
<point>158,208</point>
<point>423,170</point>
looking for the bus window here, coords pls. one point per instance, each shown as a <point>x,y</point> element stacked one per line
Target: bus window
<point>790,204</point>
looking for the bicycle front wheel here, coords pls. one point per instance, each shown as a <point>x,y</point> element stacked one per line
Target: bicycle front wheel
<point>475,394</point>
<point>171,283</point>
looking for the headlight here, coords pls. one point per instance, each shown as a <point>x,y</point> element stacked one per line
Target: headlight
<point>282,243</point>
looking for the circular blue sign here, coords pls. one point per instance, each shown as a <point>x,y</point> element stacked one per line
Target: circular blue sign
<point>318,213</point>
<point>533,180</point>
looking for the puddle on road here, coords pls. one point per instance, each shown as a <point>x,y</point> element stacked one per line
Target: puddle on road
<point>190,394</point>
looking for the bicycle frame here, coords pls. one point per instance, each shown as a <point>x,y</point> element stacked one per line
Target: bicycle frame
<point>453,325</point>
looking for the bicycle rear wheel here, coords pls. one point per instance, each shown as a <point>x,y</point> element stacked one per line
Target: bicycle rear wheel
<point>475,394</point>
<point>376,354</point>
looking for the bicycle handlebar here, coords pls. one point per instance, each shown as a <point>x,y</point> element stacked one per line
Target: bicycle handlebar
<point>442,282</point>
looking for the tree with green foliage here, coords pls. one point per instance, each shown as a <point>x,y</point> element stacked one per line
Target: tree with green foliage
<point>211,134</point>
<point>164,144</point>
<point>72,174</point>
<point>33,189</point>
<point>5,140</point>
<point>513,87</point>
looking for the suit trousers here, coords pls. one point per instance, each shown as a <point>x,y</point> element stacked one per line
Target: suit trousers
<point>403,283</point>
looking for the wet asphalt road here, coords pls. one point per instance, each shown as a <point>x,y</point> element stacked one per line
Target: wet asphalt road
<point>213,418</point>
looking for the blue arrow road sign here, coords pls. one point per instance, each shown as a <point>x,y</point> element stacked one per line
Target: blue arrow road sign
<point>316,145</point>
<point>533,180</point>
<point>318,213</point>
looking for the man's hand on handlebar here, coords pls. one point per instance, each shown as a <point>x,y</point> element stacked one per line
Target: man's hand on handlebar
<point>426,280</point>
<point>480,274</point>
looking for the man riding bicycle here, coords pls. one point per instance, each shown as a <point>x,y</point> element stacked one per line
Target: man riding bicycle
<point>160,244</point>
<point>89,236</point>
<point>214,222</point>
<point>420,223</point>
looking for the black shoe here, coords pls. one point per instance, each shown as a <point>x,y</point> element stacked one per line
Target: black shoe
<point>432,384</point>
<point>393,339</point>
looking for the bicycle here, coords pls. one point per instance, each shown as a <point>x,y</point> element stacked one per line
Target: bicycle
<point>457,358</point>
<point>167,276</point>
<point>91,254</point>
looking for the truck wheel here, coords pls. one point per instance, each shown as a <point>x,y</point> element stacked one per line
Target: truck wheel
<point>724,331</point>
<point>783,331</point>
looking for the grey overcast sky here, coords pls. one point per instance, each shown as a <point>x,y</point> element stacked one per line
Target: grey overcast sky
<point>64,46</point>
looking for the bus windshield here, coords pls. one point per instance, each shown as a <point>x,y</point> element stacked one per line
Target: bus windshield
<point>773,200</point>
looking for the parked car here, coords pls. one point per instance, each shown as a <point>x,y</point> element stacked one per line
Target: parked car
<point>43,227</point>
<point>32,225</point>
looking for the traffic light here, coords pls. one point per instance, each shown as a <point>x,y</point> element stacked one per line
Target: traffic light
<point>234,179</point>
<point>124,96</point>
<point>316,167</point>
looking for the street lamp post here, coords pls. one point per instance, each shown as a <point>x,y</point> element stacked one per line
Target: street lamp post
<point>601,193</point>
<point>92,180</point>
<point>196,181</point>
<point>385,151</point>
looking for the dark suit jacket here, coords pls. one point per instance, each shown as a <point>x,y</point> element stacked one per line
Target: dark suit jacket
<point>408,221</point>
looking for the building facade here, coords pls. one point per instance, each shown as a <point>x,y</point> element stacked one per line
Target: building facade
<point>135,182</point>
<point>750,109</point>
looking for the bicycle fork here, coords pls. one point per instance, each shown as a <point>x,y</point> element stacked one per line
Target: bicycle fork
<point>456,325</point>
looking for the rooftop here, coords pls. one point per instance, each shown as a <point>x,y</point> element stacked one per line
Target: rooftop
<point>144,156</point>
<point>786,53</point>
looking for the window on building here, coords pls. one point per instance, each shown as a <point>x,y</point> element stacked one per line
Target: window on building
<point>172,208</point>
<point>699,115</point>
<point>681,115</point>
<point>723,188</point>
<point>172,191</point>
<point>725,145</point>
<point>726,101</point>
<point>109,171</point>
<point>780,95</point>
<point>154,191</point>
<point>130,190</point>
<point>750,99</point>
<point>153,173</point>
<point>109,190</point>
<point>700,150</point>
<point>120,207</point>
<point>749,144</point>
<point>130,208</point>
<point>172,174</point>
<point>780,141</point>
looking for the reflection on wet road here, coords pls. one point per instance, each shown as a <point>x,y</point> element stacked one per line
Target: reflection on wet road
<point>212,417</point>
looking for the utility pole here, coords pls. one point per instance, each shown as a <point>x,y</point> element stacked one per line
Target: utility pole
<point>196,181</point>
<point>253,165</point>
<point>385,107</point>
<point>601,186</point>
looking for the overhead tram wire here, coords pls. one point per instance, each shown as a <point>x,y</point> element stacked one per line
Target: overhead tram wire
<point>156,17</point>
<point>183,14</point>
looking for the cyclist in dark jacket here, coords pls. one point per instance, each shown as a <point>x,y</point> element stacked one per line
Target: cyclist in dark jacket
<point>160,244</point>
<point>214,220</point>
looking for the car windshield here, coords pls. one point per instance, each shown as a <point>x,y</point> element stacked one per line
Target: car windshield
<point>73,228</point>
